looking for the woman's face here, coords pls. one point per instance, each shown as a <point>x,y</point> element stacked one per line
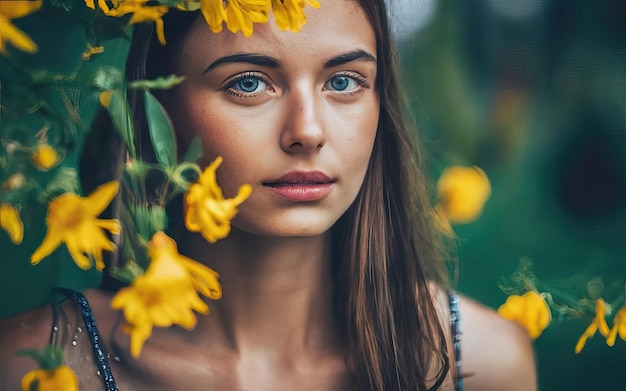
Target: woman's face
<point>293,114</point>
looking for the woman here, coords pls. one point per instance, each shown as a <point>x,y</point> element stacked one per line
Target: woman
<point>332,275</point>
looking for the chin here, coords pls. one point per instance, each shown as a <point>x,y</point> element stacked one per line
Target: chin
<point>291,227</point>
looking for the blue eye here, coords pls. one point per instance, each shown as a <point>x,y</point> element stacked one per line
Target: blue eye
<point>247,84</point>
<point>342,83</point>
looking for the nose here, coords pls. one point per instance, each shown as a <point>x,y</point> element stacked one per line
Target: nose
<point>302,128</point>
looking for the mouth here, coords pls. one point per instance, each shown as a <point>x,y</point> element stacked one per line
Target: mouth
<point>301,186</point>
<point>300,178</point>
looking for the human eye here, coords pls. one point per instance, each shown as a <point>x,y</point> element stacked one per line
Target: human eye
<point>248,84</point>
<point>347,83</point>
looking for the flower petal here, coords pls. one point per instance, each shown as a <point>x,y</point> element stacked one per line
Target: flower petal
<point>97,201</point>
<point>10,221</point>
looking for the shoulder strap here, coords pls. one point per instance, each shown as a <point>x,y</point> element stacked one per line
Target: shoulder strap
<point>455,325</point>
<point>101,357</point>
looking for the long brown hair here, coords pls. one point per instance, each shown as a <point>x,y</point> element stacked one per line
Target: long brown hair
<point>385,250</point>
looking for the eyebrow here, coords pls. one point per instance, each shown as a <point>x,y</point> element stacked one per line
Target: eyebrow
<point>271,62</point>
<point>345,58</point>
<point>256,59</point>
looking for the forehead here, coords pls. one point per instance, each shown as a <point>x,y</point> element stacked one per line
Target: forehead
<point>336,27</point>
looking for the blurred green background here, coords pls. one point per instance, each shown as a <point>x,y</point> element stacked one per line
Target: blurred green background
<point>534,93</point>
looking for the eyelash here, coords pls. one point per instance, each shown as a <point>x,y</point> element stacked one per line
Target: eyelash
<point>357,77</point>
<point>229,87</point>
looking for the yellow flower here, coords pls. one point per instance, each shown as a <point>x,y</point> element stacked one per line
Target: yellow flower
<point>140,10</point>
<point>102,4</point>
<point>289,14</point>
<point>241,14</point>
<point>10,221</point>
<point>44,157</point>
<point>214,13</point>
<point>530,310</point>
<point>8,32</point>
<point>90,51</point>
<point>598,323</point>
<point>463,192</point>
<point>206,210</point>
<point>166,294</point>
<point>105,98</point>
<point>72,219</point>
<point>61,378</point>
<point>619,327</point>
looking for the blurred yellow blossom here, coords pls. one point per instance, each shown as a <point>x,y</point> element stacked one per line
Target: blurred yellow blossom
<point>72,219</point>
<point>102,4</point>
<point>529,310</point>
<point>463,192</point>
<point>62,378</point>
<point>52,374</point>
<point>166,294</point>
<point>619,327</point>
<point>142,10</point>
<point>44,157</point>
<point>10,221</point>
<point>105,98</point>
<point>206,210</point>
<point>289,14</point>
<point>8,32</point>
<point>90,51</point>
<point>598,323</point>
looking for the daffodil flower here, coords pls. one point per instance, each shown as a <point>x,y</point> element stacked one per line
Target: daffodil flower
<point>289,14</point>
<point>8,32</point>
<point>10,221</point>
<point>102,4</point>
<point>529,310</point>
<point>597,324</point>
<point>463,192</point>
<point>140,9</point>
<point>241,14</point>
<point>214,14</point>
<point>52,374</point>
<point>206,210</point>
<point>44,157</point>
<point>61,378</point>
<point>619,327</point>
<point>166,294</point>
<point>72,219</point>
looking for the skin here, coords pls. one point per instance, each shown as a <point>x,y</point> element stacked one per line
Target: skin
<point>295,120</point>
<point>278,249</point>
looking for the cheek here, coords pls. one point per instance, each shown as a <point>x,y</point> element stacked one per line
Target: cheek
<point>363,136</point>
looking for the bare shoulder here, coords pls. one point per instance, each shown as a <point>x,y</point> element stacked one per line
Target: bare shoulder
<point>496,354</point>
<point>27,330</point>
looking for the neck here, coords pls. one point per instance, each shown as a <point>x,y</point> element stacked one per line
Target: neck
<point>277,293</point>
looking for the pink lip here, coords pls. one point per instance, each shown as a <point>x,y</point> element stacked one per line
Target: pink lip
<point>301,186</point>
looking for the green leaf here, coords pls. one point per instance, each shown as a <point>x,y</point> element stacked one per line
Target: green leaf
<point>161,131</point>
<point>194,151</point>
<point>120,115</point>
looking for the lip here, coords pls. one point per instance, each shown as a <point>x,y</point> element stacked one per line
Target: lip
<point>301,186</point>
